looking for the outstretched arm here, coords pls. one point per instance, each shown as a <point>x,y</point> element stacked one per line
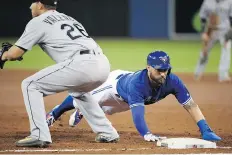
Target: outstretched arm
<point>139,120</point>
<point>14,53</point>
<point>140,124</point>
<point>194,111</point>
<point>199,118</point>
<point>184,98</point>
<point>6,55</point>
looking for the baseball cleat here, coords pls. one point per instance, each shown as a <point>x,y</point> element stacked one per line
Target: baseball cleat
<point>225,80</point>
<point>103,139</point>
<point>75,118</point>
<point>197,77</point>
<point>50,118</point>
<point>32,142</point>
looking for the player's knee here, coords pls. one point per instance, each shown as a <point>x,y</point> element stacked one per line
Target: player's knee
<point>26,84</point>
<point>108,110</point>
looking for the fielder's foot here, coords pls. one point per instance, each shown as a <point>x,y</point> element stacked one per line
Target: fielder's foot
<point>103,139</point>
<point>32,142</point>
<point>50,118</point>
<point>197,77</point>
<point>225,79</point>
<point>75,118</point>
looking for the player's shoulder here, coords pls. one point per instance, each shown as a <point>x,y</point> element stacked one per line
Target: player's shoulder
<point>139,79</point>
<point>173,78</point>
<point>34,22</point>
<point>139,75</point>
<point>177,81</point>
<point>39,19</point>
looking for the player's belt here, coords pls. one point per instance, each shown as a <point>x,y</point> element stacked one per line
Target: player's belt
<point>87,52</point>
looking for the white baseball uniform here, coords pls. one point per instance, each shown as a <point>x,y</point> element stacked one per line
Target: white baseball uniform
<point>223,9</point>
<point>105,95</point>
<point>80,67</point>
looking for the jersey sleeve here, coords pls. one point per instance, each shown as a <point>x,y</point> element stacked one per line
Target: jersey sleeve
<point>135,96</point>
<point>204,12</point>
<point>180,91</point>
<point>31,35</point>
<point>136,103</point>
<point>138,113</point>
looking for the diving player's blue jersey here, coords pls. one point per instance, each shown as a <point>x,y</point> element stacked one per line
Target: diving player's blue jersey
<point>136,90</point>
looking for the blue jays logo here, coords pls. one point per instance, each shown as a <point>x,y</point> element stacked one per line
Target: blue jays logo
<point>164,59</point>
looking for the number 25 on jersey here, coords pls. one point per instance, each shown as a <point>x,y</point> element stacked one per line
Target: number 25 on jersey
<point>73,28</point>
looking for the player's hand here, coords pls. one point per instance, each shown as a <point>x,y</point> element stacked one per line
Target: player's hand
<point>152,138</point>
<point>205,37</point>
<point>5,47</point>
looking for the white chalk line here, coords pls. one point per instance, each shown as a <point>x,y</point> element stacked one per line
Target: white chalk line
<point>77,150</point>
<point>91,150</point>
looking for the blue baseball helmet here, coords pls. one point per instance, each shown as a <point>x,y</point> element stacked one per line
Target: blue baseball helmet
<point>159,60</point>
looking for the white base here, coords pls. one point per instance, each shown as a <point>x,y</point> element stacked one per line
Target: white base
<point>186,143</point>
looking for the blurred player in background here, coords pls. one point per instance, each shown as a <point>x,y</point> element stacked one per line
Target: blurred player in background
<point>216,21</point>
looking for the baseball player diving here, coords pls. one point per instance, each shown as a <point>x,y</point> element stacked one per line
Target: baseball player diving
<point>216,21</point>
<point>80,67</point>
<point>126,90</point>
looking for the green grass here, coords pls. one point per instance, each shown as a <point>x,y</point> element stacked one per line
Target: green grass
<point>131,54</point>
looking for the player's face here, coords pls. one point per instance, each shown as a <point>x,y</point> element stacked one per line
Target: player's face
<point>34,9</point>
<point>157,76</point>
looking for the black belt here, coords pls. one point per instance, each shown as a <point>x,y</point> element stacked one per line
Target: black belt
<point>87,52</point>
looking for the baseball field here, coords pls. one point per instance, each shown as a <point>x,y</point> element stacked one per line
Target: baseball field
<point>166,118</point>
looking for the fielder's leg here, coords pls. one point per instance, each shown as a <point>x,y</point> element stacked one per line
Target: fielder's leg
<point>80,74</point>
<point>203,59</point>
<point>45,82</point>
<point>96,118</point>
<point>225,59</point>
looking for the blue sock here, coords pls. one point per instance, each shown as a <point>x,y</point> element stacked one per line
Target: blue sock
<point>66,105</point>
<point>203,126</point>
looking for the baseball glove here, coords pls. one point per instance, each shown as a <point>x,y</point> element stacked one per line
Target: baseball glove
<point>5,47</point>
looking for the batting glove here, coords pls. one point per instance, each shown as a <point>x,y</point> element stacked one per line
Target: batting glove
<point>211,136</point>
<point>206,132</point>
<point>152,138</point>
